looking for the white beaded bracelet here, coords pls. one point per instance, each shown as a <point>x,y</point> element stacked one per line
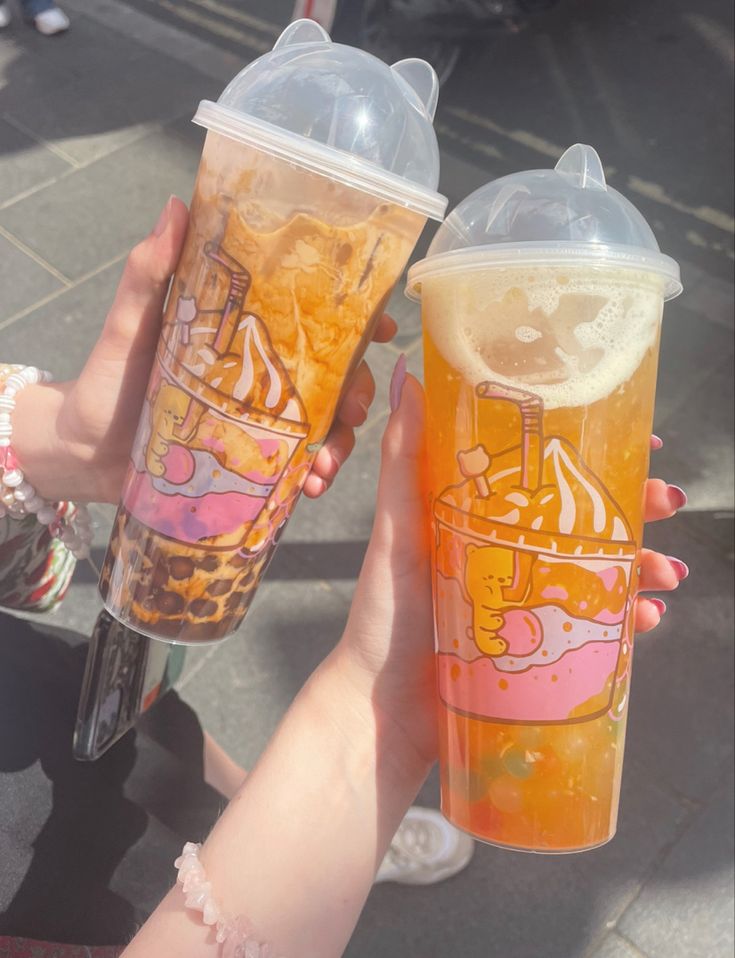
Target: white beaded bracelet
<point>18,498</point>
<point>234,934</point>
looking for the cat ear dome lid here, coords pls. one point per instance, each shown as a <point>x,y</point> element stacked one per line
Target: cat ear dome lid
<point>562,217</point>
<point>341,112</point>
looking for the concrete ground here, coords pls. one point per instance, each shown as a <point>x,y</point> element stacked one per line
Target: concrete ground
<point>94,136</point>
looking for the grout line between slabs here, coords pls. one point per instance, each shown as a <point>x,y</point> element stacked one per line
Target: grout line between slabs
<point>159,126</point>
<point>637,952</point>
<point>47,144</point>
<point>52,296</point>
<point>39,260</point>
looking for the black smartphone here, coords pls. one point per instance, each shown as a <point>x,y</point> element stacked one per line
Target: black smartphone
<point>126,673</point>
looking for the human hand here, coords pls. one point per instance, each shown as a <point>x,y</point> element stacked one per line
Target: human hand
<point>387,651</point>
<point>74,438</point>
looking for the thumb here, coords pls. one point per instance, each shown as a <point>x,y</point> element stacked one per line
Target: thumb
<point>134,321</point>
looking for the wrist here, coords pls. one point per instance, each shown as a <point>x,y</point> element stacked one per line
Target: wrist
<point>355,701</point>
<point>46,461</point>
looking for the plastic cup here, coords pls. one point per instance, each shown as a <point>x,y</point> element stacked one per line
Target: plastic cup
<point>318,173</point>
<point>542,298</point>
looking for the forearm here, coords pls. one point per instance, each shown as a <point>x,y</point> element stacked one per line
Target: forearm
<point>297,849</point>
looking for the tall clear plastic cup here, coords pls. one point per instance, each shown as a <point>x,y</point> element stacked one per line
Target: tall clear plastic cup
<point>318,173</point>
<point>542,297</point>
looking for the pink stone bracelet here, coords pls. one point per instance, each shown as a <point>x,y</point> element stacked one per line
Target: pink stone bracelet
<point>234,934</point>
<point>18,498</point>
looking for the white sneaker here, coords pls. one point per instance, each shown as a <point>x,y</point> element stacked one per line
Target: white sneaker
<point>5,17</point>
<point>51,21</point>
<point>425,849</point>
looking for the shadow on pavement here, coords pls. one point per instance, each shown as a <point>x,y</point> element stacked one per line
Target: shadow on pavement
<point>66,826</point>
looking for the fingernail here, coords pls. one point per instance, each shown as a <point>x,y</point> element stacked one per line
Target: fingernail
<point>660,606</point>
<point>677,497</point>
<point>656,442</point>
<point>396,383</point>
<point>680,568</point>
<point>163,219</point>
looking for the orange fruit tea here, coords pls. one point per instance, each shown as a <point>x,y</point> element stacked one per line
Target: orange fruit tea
<point>540,386</point>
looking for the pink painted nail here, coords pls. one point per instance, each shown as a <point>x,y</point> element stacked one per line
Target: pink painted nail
<point>660,606</point>
<point>680,568</point>
<point>677,497</point>
<point>656,442</point>
<point>163,219</point>
<point>396,383</point>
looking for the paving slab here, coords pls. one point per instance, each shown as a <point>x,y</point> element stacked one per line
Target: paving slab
<point>23,75</point>
<point>25,163</point>
<point>248,681</point>
<point>697,434</point>
<point>59,334</point>
<point>690,351</point>
<point>686,909</point>
<point>681,706</point>
<point>89,48</point>
<point>23,280</point>
<point>100,212</point>
<point>520,905</point>
<point>118,108</point>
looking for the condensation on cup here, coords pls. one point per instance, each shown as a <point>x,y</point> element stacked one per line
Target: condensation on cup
<point>318,173</point>
<point>542,297</point>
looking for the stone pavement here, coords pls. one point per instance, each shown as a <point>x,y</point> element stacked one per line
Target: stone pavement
<point>94,136</point>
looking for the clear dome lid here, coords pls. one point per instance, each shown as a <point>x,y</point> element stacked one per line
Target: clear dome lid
<point>553,217</point>
<point>341,112</point>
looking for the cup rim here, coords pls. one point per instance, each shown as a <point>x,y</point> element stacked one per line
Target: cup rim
<point>319,158</point>
<point>508,255</point>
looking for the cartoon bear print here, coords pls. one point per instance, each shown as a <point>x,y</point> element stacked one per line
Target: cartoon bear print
<point>488,571</point>
<point>167,414</point>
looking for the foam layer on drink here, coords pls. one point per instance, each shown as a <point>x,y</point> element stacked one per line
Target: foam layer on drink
<point>572,336</point>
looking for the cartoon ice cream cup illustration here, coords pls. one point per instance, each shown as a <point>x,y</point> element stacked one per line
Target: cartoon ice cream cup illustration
<point>542,297</point>
<point>531,611</point>
<point>318,173</point>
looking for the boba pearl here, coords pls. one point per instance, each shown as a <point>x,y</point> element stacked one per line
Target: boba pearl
<point>514,762</point>
<point>181,567</point>
<point>170,603</point>
<point>203,608</point>
<point>505,794</point>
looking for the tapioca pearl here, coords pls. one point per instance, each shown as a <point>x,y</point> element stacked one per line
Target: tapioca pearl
<point>159,576</point>
<point>506,795</point>
<point>220,586</point>
<point>516,763</point>
<point>181,567</point>
<point>203,608</point>
<point>170,603</point>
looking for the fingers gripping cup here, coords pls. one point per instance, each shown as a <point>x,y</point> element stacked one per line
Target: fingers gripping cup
<point>542,297</point>
<point>318,173</point>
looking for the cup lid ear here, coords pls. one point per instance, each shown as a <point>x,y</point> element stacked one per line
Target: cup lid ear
<point>422,78</point>
<point>302,31</point>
